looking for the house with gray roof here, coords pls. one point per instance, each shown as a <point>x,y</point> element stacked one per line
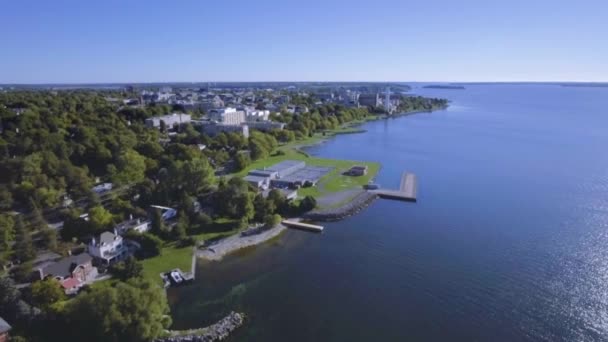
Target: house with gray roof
<point>72,272</point>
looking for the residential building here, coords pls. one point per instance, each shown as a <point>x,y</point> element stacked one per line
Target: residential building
<point>139,225</point>
<point>170,120</point>
<point>165,212</point>
<point>5,329</point>
<point>227,116</point>
<point>72,272</point>
<point>108,248</point>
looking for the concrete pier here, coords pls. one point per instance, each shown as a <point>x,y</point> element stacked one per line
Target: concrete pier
<point>302,225</point>
<point>407,189</point>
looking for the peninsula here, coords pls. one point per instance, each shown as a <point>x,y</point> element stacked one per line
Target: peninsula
<point>129,183</point>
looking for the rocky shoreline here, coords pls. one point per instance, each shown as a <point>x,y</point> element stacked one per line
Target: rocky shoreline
<point>354,206</point>
<point>216,332</point>
<point>235,242</point>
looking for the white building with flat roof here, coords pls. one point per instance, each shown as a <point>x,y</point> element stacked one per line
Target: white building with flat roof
<point>170,120</point>
<point>257,115</point>
<point>227,116</point>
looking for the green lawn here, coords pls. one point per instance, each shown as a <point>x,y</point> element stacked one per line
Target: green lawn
<point>334,181</point>
<point>175,257</point>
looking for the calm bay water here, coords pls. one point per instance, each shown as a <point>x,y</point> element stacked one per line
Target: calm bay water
<point>508,240</point>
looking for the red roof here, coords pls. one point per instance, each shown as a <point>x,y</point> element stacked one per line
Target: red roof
<point>70,283</point>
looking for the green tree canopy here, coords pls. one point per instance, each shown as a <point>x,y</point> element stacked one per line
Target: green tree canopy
<point>135,311</point>
<point>46,293</point>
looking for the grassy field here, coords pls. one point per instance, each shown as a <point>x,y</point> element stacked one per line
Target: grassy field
<point>175,257</point>
<point>333,182</point>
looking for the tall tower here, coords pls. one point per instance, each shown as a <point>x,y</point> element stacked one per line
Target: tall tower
<point>387,100</point>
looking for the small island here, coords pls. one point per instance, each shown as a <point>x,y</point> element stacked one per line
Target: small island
<point>444,86</point>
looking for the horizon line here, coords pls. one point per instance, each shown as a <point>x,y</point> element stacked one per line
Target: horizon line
<point>202,82</point>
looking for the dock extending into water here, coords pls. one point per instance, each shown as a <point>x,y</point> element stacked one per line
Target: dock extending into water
<point>407,189</point>
<point>302,225</point>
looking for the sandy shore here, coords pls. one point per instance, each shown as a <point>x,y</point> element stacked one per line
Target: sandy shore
<point>235,242</point>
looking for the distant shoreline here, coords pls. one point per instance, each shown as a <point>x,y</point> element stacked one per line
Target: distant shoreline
<point>444,86</point>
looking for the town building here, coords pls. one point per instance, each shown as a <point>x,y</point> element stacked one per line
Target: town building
<point>257,115</point>
<point>258,182</point>
<point>212,128</point>
<point>297,109</point>
<point>227,116</point>
<point>72,272</point>
<point>5,329</point>
<point>108,248</point>
<point>170,120</point>
<point>370,100</point>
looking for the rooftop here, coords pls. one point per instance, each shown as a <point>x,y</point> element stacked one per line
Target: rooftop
<point>64,267</point>
<point>285,165</point>
<point>4,326</point>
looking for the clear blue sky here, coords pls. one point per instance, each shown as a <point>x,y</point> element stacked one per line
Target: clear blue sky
<point>256,40</point>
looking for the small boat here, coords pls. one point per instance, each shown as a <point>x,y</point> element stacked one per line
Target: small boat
<point>177,278</point>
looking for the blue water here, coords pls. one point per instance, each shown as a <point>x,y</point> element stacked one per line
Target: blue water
<point>508,240</point>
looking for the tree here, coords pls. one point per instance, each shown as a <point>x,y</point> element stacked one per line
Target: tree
<point>100,219</point>
<point>46,293</point>
<point>179,230</point>
<point>127,269</point>
<point>24,248</point>
<point>241,161</point>
<point>308,204</point>
<point>234,200</point>
<point>38,221</point>
<point>260,206</point>
<point>151,245</point>
<point>49,238</point>
<point>257,150</point>
<point>195,175</point>
<point>130,168</point>
<point>272,220</point>
<point>136,311</point>
<point>7,235</point>
<point>158,224</point>
<point>12,307</point>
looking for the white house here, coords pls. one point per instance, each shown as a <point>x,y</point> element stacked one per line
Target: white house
<point>109,248</point>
